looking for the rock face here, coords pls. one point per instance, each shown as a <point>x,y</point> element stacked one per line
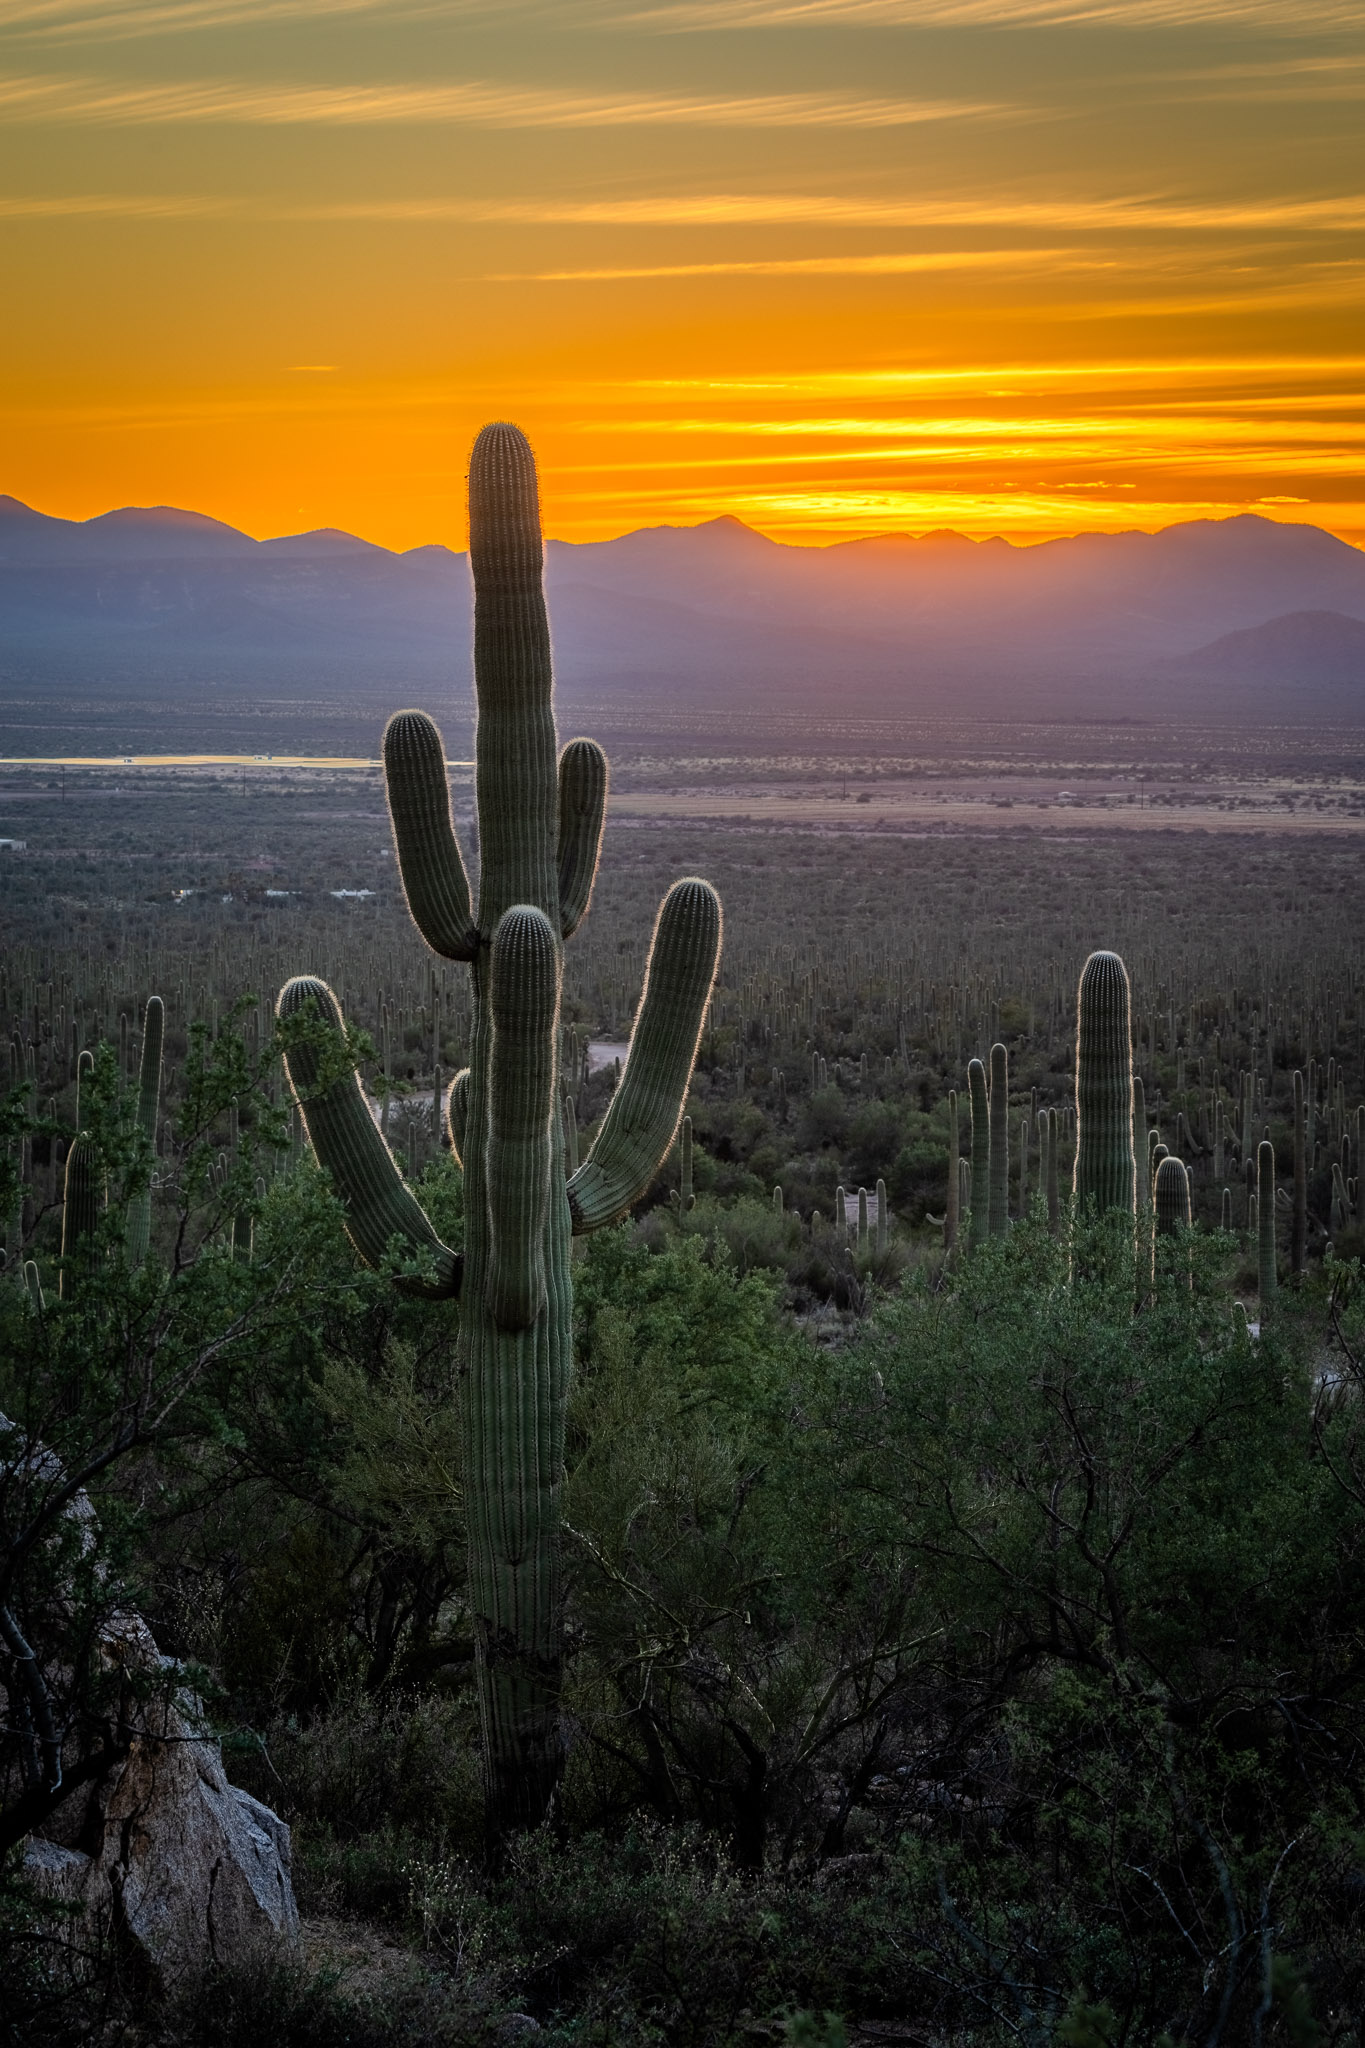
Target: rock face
<point>163,1859</point>
<point>168,1861</point>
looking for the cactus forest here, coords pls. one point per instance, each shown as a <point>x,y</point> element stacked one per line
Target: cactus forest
<point>807,1488</point>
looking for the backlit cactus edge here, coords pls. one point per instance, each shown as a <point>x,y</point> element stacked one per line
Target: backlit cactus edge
<point>540,827</point>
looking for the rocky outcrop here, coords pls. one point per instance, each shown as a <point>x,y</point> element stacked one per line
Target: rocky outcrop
<point>167,1861</point>
<point>162,1859</point>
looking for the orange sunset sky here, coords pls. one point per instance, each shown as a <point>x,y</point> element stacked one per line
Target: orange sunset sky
<point>836,266</point>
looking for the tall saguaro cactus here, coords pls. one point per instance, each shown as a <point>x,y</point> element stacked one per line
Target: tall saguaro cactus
<point>1267,1274</point>
<point>1171,1197</point>
<point>999,1124</point>
<point>1105,1176</point>
<point>137,1235</point>
<point>540,826</point>
<point>979,1100</point>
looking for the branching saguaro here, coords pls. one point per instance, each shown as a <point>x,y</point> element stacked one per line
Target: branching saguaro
<point>540,828</point>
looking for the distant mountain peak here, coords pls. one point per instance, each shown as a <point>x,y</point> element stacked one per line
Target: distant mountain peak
<point>323,540</point>
<point>165,518</point>
<point>1329,645</point>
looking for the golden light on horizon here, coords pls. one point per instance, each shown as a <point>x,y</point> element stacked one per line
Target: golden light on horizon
<point>1012,266</point>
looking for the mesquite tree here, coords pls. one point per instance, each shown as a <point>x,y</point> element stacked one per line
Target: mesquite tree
<point>540,830</point>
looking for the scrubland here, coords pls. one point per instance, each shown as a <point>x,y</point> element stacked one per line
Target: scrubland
<point>962,1648</point>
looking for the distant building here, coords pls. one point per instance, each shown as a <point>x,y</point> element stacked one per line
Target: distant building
<point>13,845</point>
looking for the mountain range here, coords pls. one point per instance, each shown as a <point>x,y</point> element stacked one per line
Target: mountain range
<point>1242,616</point>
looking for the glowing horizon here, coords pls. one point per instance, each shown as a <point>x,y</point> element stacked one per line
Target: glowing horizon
<point>834,267</point>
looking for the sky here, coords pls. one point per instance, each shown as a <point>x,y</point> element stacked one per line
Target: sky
<point>835,267</point>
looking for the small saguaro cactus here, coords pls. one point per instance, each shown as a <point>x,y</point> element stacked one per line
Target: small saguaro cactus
<point>1172,1196</point>
<point>540,829</point>
<point>1105,1176</point>
<point>981,1153</point>
<point>1298,1240</point>
<point>82,1205</point>
<point>138,1232</point>
<point>686,1198</point>
<point>1054,1198</point>
<point>1267,1276</point>
<point>1000,1141</point>
<point>1171,1205</point>
<point>1141,1157</point>
<point>951,1208</point>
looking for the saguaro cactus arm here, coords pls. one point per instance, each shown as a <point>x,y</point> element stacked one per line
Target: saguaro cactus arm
<point>524,997</point>
<point>379,1206</point>
<point>642,1121</point>
<point>457,1112</point>
<point>583,779</point>
<point>434,878</point>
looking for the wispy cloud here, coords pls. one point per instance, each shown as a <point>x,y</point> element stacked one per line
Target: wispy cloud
<point>121,19</point>
<point>1006,379</point>
<point>48,98</point>
<point>1341,213</point>
<point>116,206</point>
<point>1047,214</point>
<point>893,265</point>
<point>1303,78</point>
<point>1277,17</point>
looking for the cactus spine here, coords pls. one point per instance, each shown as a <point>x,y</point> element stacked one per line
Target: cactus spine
<point>539,833</point>
<point>1105,1175</point>
<point>981,1153</point>
<point>1000,1141</point>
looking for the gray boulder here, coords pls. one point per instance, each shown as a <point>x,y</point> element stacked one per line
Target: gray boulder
<point>167,1861</point>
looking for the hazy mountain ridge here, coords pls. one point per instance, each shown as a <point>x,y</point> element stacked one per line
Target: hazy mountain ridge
<point>1328,646</point>
<point>160,595</point>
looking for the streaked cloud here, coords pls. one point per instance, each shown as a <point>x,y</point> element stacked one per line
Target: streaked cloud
<point>125,19</point>
<point>1311,79</point>
<point>1153,428</point>
<point>117,206</point>
<point>52,98</point>
<point>1049,213</point>
<point>121,19</point>
<point>1343,213</point>
<point>901,265</point>
<point>1007,377</point>
<point>1277,17</point>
